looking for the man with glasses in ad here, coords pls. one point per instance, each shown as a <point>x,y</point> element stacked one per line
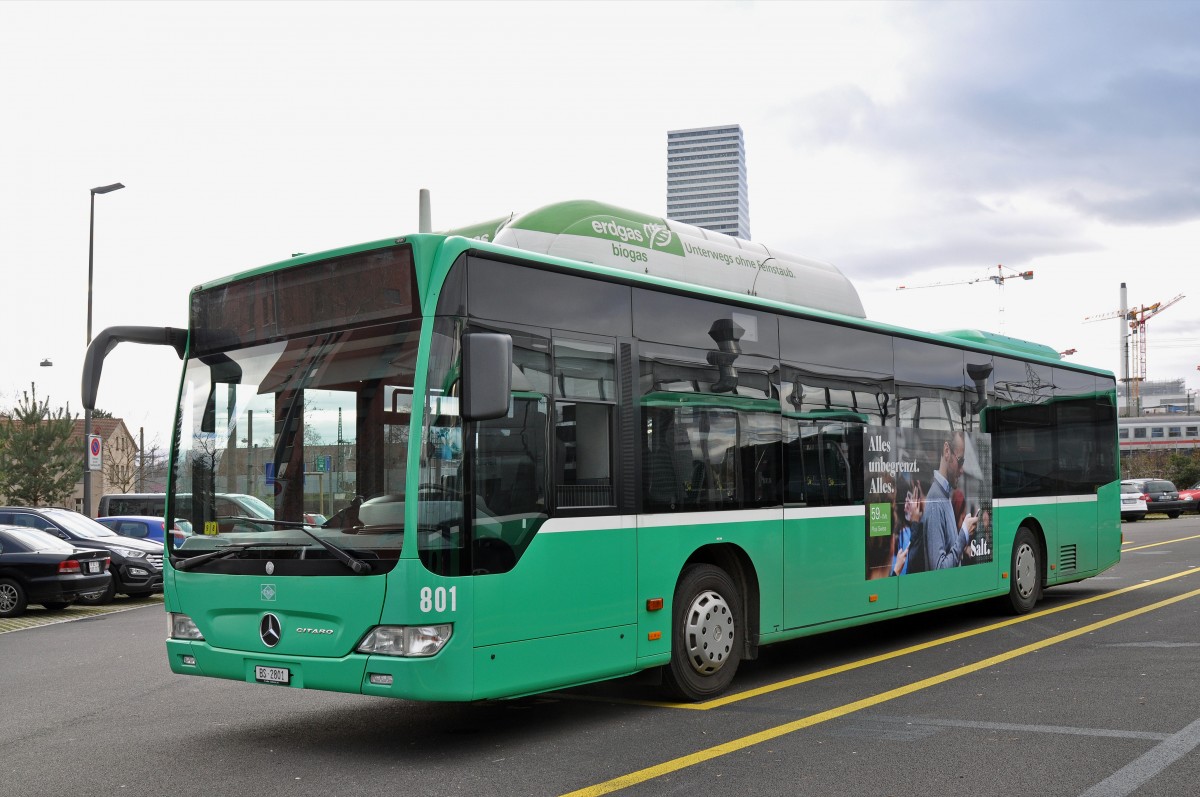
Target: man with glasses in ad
<point>946,542</point>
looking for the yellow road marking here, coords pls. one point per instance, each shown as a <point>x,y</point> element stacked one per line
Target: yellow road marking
<point>674,765</point>
<point>1164,542</point>
<point>854,665</point>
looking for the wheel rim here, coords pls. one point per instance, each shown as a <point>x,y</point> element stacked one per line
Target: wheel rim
<point>1025,570</point>
<point>8,597</point>
<point>708,632</point>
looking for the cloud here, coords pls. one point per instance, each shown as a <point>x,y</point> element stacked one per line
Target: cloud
<point>1163,206</point>
<point>1090,110</point>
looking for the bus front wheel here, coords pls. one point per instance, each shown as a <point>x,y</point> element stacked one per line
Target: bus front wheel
<point>706,634</point>
<point>1025,575</point>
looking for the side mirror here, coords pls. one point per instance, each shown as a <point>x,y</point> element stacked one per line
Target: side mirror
<point>104,342</point>
<point>487,375</point>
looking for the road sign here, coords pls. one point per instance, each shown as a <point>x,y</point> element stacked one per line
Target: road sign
<point>95,453</point>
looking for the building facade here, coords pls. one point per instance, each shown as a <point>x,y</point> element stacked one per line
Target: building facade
<point>1160,397</point>
<point>123,468</point>
<point>121,463</point>
<point>706,179</point>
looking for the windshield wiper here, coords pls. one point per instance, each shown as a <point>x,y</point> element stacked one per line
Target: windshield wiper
<point>221,553</point>
<point>354,563</point>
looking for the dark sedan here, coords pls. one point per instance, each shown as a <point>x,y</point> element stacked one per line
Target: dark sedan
<point>136,565</point>
<point>1161,496</point>
<point>38,568</point>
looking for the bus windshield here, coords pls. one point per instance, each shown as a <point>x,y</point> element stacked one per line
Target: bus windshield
<point>275,435</point>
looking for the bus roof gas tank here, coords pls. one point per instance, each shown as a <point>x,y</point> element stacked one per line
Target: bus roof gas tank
<point>594,232</point>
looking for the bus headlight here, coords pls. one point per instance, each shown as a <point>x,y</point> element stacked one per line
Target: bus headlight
<point>405,640</point>
<point>180,626</point>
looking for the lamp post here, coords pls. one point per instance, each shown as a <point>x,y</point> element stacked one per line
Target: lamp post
<point>87,414</point>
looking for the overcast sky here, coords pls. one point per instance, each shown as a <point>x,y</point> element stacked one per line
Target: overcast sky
<point>907,143</point>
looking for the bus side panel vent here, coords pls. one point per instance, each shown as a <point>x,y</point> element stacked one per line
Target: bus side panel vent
<point>1068,557</point>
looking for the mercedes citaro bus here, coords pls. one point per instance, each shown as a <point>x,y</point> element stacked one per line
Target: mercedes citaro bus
<point>586,442</point>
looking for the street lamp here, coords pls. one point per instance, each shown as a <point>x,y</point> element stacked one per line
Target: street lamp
<point>87,414</point>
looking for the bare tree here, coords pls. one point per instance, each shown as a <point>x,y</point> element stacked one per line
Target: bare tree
<point>121,459</point>
<point>153,476</point>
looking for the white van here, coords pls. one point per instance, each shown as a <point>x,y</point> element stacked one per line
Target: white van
<point>227,505</point>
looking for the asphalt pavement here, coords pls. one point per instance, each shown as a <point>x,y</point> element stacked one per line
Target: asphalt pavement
<point>1092,694</point>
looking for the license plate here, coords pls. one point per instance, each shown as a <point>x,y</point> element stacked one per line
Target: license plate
<point>93,567</point>
<point>272,675</point>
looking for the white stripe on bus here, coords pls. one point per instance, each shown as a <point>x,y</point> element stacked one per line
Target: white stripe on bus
<point>659,520</point>
<point>1045,500</point>
<point>561,525</point>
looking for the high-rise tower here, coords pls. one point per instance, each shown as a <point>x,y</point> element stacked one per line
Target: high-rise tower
<point>706,179</point>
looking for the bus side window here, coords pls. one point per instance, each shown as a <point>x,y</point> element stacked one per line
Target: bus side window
<point>583,455</point>
<point>585,393</point>
<point>511,460</point>
<point>823,463</point>
<point>666,462</point>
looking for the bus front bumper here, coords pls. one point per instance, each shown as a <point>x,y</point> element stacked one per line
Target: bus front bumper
<point>446,676</point>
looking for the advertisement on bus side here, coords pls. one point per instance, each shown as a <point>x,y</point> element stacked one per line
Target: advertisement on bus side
<point>929,500</point>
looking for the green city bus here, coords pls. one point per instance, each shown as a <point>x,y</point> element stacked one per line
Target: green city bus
<point>586,442</point>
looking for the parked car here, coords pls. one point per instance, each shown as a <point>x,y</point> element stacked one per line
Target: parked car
<point>1191,498</point>
<point>1160,496</point>
<point>136,565</point>
<point>1133,504</point>
<point>146,527</point>
<point>38,568</point>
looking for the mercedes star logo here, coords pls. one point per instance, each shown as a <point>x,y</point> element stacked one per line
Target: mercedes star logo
<point>270,630</point>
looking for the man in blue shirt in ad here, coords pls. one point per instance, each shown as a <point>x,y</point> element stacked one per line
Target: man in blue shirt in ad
<point>946,544</point>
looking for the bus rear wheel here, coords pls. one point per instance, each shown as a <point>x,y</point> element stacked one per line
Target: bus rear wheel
<point>706,634</point>
<point>1025,575</point>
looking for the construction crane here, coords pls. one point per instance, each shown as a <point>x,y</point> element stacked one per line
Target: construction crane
<point>1003,274</point>
<point>1136,318</point>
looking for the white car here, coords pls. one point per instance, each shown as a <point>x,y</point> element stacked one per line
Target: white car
<point>1133,503</point>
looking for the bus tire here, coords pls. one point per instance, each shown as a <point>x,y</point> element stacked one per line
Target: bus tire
<point>706,634</point>
<point>1025,575</point>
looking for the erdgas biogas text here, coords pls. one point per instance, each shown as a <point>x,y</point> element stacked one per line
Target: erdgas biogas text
<point>632,255</point>
<point>617,230</point>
